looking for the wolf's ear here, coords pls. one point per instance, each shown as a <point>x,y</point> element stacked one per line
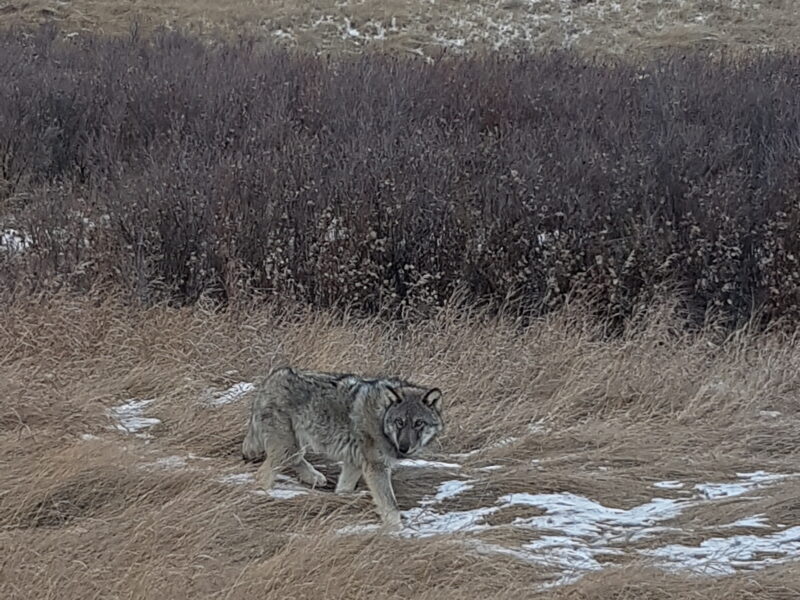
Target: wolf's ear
<point>433,399</point>
<point>393,396</point>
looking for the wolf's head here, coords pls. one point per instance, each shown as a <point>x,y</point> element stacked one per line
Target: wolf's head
<point>413,418</point>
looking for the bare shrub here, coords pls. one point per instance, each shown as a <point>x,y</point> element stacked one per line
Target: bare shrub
<point>179,170</point>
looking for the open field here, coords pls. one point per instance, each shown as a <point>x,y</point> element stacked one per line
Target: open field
<point>558,448</point>
<point>649,456</point>
<point>619,27</point>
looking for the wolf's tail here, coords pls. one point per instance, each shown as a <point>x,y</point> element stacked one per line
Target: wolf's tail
<point>253,444</point>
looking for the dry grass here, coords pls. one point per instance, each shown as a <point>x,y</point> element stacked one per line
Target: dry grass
<point>102,517</point>
<point>618,27</point>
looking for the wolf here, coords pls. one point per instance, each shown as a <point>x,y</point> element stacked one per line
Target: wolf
<point>367,424</point>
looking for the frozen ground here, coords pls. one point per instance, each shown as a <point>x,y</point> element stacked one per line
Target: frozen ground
<point>232,394</point>
<point>426,28</point>
<point>130,418</point>
<point>574,533</point>
<point>570,534</point>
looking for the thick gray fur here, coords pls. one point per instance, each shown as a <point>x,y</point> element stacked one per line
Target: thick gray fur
<point>367,424</point>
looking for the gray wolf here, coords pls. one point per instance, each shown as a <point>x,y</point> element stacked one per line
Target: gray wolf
<point>367,424</point>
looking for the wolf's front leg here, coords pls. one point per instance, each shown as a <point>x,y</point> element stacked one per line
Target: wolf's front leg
<point>379,481</point>
<point>348,478</point>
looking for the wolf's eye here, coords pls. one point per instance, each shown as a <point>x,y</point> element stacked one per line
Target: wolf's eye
<point>399,422</point>
<point>418,424</point>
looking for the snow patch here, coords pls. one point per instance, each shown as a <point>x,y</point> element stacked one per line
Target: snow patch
<point>726,555</point>
<point>538,426</point>
<point>748,482</point>
<point>419,463</point>
<point>668,485</point>
<point>756,521</point>
<point>232,394</point>
<point>575,532</point>
<point>237,478</point>
<point>566,553</point>
<point>168,462</point>
<point>286,489</point>
<point>129,417</point>
<point>420,522</point>
<point>580,517</point>
<point>450,489</point>
<point>13,241</point>
<point>285,493</point>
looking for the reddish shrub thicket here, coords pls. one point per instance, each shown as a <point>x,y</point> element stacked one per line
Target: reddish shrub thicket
<point>177,168</point>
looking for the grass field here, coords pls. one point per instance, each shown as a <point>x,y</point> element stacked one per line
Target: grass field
<point>620,27</point>
<point>559,446</point>
<point>656,464</point>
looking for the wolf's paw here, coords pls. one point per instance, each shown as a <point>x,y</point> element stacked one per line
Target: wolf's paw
<point>313,478</point>
<point>392,522</point>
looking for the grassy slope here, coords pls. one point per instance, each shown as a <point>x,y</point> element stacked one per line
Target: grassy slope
<point>618,27</point>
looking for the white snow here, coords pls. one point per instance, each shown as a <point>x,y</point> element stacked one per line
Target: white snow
<point>168,462</point>
<point>286,489</point>
<point>538,426</point>
<point>575,532</point>
<point>175,462</point>
<point>722,490</point>
<point>748,482</point>
<point>88,437</point>
<point>237,478</point>
<point>426,464</point>
<point>232,394</point>
<point>580,517</point>
<point>566,553</point>
<point>449,489</point>
<point>129,417</point>
<point>286,493</point>
<point>756,521</point>
<point>13,241</point>
<point>668,485</point>
<point>726,555</point>
<point>421,522</point>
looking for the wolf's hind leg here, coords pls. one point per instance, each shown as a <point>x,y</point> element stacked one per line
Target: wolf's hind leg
<point>265,475</point>
<point>280,448</point>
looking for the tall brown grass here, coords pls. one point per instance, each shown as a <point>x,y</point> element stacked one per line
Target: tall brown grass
<point>98,518</point>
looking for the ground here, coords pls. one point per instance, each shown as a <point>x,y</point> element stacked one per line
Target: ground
<point>659,465</point>
<point>618,27</point>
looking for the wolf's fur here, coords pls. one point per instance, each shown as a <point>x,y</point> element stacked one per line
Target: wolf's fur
<point>366,424</point>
